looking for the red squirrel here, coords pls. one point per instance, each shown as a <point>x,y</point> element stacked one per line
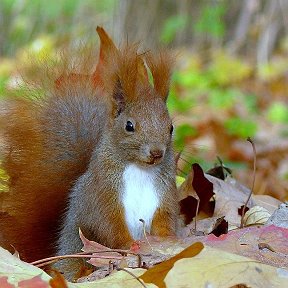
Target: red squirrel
<point>95,153</point>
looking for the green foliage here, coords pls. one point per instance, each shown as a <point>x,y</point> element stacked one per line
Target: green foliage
<point>222,98</point>
<point>3,83</point>
<point>235,165</point>
<point>273,69</point>
<point>213,88</point>
<point>6,68</point>
<point>211,20</point>
<point>192,79</point>
<point>241,127</point>
<point>171,27</point>
<point>183,132</point>
<point>175,104</point>
<point>278,113</point>
<point>250,101</point>
<point>27,20</point>
<point>225,69</point>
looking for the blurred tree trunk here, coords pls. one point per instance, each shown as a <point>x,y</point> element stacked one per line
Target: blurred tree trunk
<point>272,25</point>
<point>251,26</point>
<point>247,11</point>
<point>141,20</point>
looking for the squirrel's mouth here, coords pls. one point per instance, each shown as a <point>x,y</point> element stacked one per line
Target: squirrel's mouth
<point>153,161</point>
<point>152,157</point>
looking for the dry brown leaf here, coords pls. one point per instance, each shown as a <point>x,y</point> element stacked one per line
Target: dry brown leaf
<point>256,215</point>
<point>103,258</point>
<point>229,196</point>
<point>268,202</point>
<point>267,244</point>
<point>195,194</point>
<point>280,216</point>
<point>204,227</point>
<point>91,246</point>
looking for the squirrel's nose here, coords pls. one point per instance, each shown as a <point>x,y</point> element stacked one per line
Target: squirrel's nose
<point>156,154</point>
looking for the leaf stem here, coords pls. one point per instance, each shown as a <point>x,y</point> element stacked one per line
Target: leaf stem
<point>253,182</point>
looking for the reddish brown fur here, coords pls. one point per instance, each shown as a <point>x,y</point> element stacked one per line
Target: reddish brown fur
<point>44,157</point>
<point>30,213</point>
<point>36,199</point>
<point>160,65</point>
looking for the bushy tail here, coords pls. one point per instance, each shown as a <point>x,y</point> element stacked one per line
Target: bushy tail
<point>48,143</point>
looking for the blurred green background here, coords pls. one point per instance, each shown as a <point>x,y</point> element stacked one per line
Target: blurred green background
<point>230,81</point>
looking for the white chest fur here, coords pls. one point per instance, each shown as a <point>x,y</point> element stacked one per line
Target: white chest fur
<point>139,198</point>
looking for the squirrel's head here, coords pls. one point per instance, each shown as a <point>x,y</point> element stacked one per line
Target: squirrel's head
<point>140,128</point>
<point>142,132</point>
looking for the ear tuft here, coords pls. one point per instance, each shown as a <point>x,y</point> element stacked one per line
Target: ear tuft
<point>107,49</point>
<point>161,65</point>
<point>124,72</point>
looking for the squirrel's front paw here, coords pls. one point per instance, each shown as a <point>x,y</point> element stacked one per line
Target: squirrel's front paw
<point>163,224</point>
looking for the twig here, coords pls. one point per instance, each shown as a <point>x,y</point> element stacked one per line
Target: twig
<point>145,235</point>
<point>197,210</point>
<point>49,260</point>
<point>134,276</point>
<point>254,176</point>
<point>263,245</point>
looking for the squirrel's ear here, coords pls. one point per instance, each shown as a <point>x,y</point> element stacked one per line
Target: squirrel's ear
<point>118,101</point>
<point>142,75</point>
<point>160,65</point>
<point>130,71</point>
<point>107,49</point>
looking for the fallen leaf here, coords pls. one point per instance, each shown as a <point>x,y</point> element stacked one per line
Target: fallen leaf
<point>100,255</point>
<point>4,283</point>
<point>179,180</point>
<point>188,208</point>
<point>91,246</point>
<point>195,183</point>
<point>215,268</point>
<point>246,242</point>
<point>17,272</point>
<point>221,228</point>
<point>202,186</point>
<point>219,171</point>
<point>256,215</point>
<point>240,210</point>
<point>120,279</point>
<point>35,282</point>
<point>204,227</point>
<point>280,216</point>
<point>268,202</point>
<point>229,195</point>
<point>157,273</point>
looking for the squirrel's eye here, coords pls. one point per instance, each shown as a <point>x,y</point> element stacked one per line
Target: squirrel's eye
<point>171,129</point>
<point>129,126</point>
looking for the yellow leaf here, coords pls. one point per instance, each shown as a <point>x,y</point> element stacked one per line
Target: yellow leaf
<point>216,268</point>
<point>157,273</point>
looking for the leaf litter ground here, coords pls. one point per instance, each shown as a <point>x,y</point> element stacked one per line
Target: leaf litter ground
<point>255,256</point>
